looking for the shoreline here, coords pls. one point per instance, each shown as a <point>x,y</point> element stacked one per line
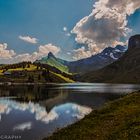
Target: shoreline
<point>14,84</point>
<point>113,121</point>
<point>42,83</point>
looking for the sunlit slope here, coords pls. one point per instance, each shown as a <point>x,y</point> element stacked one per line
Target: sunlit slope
<point>23,72</point>
<point>53,61</point>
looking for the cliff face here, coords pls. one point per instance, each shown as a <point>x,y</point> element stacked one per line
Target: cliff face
<point>124,70</point>
<point>134,42</point>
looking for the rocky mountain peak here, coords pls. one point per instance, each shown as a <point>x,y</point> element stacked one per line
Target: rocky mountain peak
<point>50,54</point>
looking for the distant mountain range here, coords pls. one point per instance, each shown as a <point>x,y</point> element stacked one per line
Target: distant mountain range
<point>124,70</point>
<point>112,65</point>
<point>95,62</point>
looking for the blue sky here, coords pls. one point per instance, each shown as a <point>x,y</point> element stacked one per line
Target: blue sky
<point>45,20</point>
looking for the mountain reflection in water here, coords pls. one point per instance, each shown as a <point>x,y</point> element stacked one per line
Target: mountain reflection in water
<point>34,112</point>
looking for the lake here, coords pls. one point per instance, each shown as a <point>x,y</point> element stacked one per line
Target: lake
<point>34,112</point>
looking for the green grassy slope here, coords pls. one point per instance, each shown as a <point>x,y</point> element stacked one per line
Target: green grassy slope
<point>118,120</point>
<point>36,73</point>
<point>55,62</point>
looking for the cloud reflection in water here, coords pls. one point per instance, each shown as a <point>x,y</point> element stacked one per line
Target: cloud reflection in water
<point>68,109</point>
<point>23,126</point>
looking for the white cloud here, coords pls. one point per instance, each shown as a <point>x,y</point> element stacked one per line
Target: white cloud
<point>23,126</point>
<point>120,43</point>
<point>5,53</point>
<point>106,24</point>
<point>68,34</point>
<point>29,39</point>
<point>81,53</point>
<point>65,29</point>
<point>84,52</point>
<point>42,51</point>
<point>45,49</point>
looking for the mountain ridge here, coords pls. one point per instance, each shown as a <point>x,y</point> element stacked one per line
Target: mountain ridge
<point>98,61</point>
<point>95,62</point>
<point>124,70</point>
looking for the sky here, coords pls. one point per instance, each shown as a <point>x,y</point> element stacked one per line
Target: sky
<point>71,29</point>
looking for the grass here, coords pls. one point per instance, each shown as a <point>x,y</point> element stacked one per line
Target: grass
<point>31,68</point>
<point>118,120</point>
<point>57,64</point>
<point>67,80</point>
<point>1,72</point>
<point>32,71</point>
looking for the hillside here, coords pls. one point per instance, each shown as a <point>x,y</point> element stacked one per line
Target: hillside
<point>26,72</point>
<point>55,62</point>
<point>124,70</point>
<point>118,120</point>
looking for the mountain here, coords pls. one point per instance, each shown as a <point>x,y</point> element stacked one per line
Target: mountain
<point>95,62</point>
<point>55,62</point>
<point>124,70</point>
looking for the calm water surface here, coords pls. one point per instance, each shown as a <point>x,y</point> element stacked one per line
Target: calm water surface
<point>34,112</point>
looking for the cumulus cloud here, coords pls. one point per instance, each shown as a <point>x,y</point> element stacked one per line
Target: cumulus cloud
<point>42,51</point>
<point>84,52</point>
<point>5,53</point>
<point>106,24</point>
<point>29,39</point>
<point>81,53</point>
<point>45,49</point>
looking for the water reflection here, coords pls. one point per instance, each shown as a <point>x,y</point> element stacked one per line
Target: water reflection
<point>58,117</point>
<point>101,88</point>
<point>36,111</point>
